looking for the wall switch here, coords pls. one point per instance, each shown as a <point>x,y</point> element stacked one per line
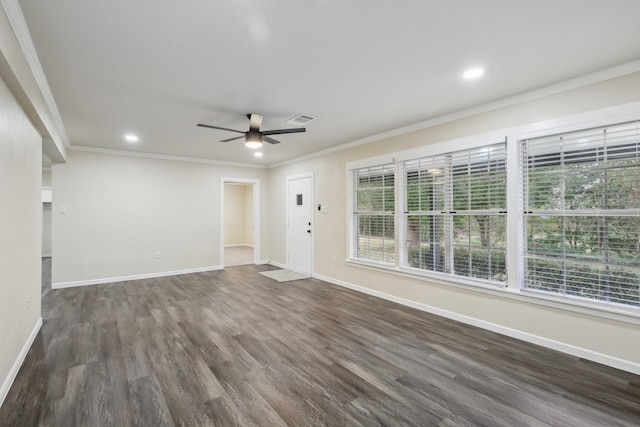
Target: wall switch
<point>324,209</point>
<point>156,255</point>
<point>28,302</point>
<point>62,210</point>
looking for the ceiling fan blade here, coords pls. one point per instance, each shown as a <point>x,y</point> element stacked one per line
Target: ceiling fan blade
<point>270,140</point>
<point>281,131</point>
<point>232,139</point>
<point>218,127</point>
<point>255,122</point>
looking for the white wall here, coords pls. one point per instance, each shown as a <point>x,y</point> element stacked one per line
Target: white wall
<point>248,215</point>
<point>46,178</point>
<point>47,231</point>
<point>601,338</point>
<point>238,214</point>
<point>46,217</point>
<point>20,235</point>
<point>121,210</point>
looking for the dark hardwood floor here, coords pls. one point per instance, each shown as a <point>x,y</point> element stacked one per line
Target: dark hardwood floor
<point>46,275</point>
<point>232,347</point>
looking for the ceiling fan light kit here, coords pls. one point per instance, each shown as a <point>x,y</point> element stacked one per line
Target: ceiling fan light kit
<point>253,140</point>
<point>254,137</point>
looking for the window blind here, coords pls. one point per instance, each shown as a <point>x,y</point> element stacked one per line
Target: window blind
<point>373,213</point>
<point>581,214</point>
<point>454,213</point>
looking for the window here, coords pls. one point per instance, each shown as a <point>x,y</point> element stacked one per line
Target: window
<point>454,213</point>
<point>550,215</point>
<point>373,213</point>
<point>581,214</point>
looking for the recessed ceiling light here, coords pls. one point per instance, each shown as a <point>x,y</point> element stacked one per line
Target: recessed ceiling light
<point>473,73</point>
<point>257,154</point>
<point>131,138</point>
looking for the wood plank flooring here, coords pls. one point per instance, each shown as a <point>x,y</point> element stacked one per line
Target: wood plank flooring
<point>46,275</point>
<point>234,348</point>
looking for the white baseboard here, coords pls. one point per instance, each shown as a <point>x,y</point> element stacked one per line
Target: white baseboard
<point>46,255</point>
<point>61,285</point>
<point>8,382</point>
<point>238,245</point>
<point>583,353</point>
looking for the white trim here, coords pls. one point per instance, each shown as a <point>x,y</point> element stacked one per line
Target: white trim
<point>144,155</point>
<point>369,162</point>
<point>21,31</point>
<point>595,118</point>
<point>8,382</point>
<point>578,82</point>
<point>238,245</point>
<point>590,119</point>
<point>47,255</point>
<point>614,362</point>
<point>62,285</point>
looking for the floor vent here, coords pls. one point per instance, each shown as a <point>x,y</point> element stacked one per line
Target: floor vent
<point>301,119</point>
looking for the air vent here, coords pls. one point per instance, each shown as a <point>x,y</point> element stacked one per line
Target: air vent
<point>301,119</point>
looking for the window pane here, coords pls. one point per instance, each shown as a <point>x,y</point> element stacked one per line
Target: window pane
<point>376,239</point>
<point>425,242</point>
<point>582,214</point>
<point>623,183</point>
<point>592,281</point>
<point>545,191</point>
<point>479,246</point>
<point>455,213</point>
<point>374,204</point>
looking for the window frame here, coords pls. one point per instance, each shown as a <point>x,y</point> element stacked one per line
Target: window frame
<point>577,156</point>
<point>352,218</point>
<point>448,211</point>
<point>512,288</point>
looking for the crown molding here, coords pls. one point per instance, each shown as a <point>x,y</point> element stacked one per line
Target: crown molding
<point>575,83</point>
<point>21,30</point>
<point>141,154</point>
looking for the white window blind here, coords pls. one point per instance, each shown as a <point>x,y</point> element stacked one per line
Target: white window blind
<point>454,213</point>
<point>373,213</point>
<point>581,210</point>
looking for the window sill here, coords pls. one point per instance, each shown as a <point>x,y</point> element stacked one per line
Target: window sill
<point>621,314</point>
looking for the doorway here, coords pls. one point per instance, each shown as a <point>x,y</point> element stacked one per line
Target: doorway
<point>239,218</point>
<point>300,224</point>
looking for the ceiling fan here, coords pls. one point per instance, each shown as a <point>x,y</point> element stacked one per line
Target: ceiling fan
<point>254,136</point>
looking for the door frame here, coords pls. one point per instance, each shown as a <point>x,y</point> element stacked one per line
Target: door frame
<point>313,229</point>
<point>256,215</point>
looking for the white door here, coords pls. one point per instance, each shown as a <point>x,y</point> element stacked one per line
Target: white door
<point>299,229</point>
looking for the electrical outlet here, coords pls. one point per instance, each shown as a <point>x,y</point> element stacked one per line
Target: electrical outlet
<point>335,260</point>
<point>157,255</point>
<point>28,302</point>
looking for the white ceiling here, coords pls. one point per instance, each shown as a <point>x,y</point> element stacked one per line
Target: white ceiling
<point>157,67</point>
